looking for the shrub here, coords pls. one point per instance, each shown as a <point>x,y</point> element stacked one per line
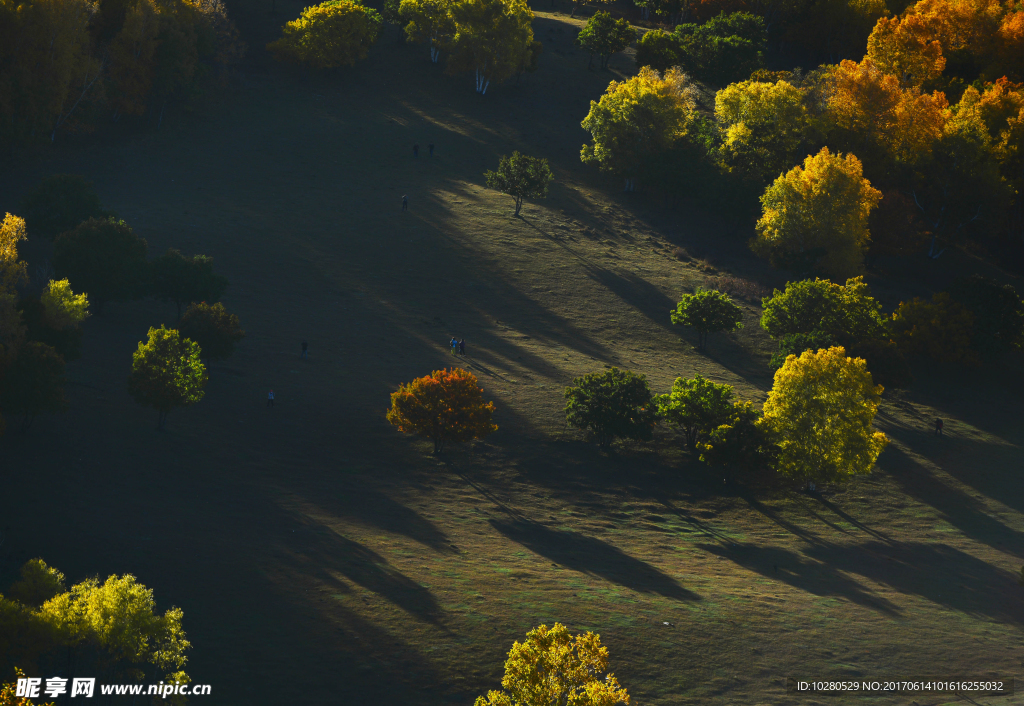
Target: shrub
<point>941,330</point>
<point>707,311</point>
<point>59,203</point>
<point>696,407</point>
<point>611,404</point>
<point>445,406</point>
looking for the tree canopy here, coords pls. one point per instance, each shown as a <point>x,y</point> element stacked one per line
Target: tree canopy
<point>214,328</point>
<point>614,404</point>
<point>59,203</point>
<point>847,313</point>
<point>184,280</point>
<point>167,372</point>
<point>493,39</point>
<point>105,259</point>
<point>521,177</point>
<point>696,406</point>
<point>552,666</point>
<point>727,48</point>
<point>708,311</point>
<point>820,410</point>
<point>604,35</point>
<point>817,215</point>
<point>329,35</point>
<point>445,406</point>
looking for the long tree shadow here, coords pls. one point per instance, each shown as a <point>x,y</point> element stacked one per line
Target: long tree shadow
<point>815,576</point>
<point>590,555</point>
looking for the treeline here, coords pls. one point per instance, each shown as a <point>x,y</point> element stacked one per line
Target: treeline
<point>97,258</point>
<point>917,146</point>
<point>66,65</point>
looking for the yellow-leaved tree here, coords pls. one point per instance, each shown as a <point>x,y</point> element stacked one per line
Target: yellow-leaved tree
<point>553,666</point>
<point>428,21</point>
<point>905,49</point>
<point>326,36</point>
<point>820,411</point>
<point>636,120</point>
<point>445,406</point>
<point>817,216</point>
<point>13,271</point>
<point>492,39</point>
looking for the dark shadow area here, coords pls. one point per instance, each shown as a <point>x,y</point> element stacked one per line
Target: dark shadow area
<point>592,556</point>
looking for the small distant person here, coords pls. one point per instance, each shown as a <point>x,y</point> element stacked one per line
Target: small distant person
<point>405,203</point>
<point>305,349</point>
<point>462,347</point>
<point>270,398</point>
<point>431,148</point>
<point>938,427</point>
<point>416,150</point>
<point>454,345</point>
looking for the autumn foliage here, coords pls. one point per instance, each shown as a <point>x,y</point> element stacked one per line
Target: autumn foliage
<point>445,406</point>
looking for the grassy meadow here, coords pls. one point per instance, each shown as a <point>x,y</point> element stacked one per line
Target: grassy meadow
<point>321,557</point>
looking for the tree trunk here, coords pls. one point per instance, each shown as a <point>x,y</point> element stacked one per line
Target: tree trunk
<point>519,205</point>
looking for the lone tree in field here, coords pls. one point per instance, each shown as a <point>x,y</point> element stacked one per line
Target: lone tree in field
<point>184,280</point>
<point>553,667</point>
<point>636,121</point>
<point>612,404</point>
<point>521,177</point>
<point>213,328</point>
<point>696,407</point>
<point>708,311</point>
<point>105,259</point>
<point>326,36</point>
<point>820,411</point>
<point>167,372</point>
<point>604,36</point>
<point>34,383</point>
<point>816,216</point>
<point>60,203</point>
<point>445,406</point>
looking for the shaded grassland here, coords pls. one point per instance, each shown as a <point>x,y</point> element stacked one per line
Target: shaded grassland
<point>320,557</point>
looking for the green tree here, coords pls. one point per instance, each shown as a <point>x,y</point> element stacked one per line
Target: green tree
<point>326,36</point>
<point>658,50</point>
<point>708,311</point>
<point>521,177</point>
<point>941,330</point>
<point>820,409</point>
<point>59,203</point>
<point>184,280</point>
<point>636,121</point>
<point>105,259</point>
<point>724,49</point>
<point>37,584</point>
<point>63,307</point>
<point>603,35</point>
<point>740,442</point>
<point>167,372</point>
<point>797,343</point>
<point>846,313</point>
<point>429,21</point>
<point>34,383</point>
<point>611,404</point>
<point>817,215</point>
<point>696,407</point>
<point>445,406</point>
<point>554,667</point>
<point>493,39</point>
<point>213,328</point>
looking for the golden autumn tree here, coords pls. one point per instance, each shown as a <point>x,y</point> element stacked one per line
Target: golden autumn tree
<point>817,215</point>
<point>326,36</point>
<point>8,693</point>
<point>13,271</point>
<point>493,39</point>
<point>904,48</point>
<point>445,406</point>
<point>879,116</point>
<point>636,120</point>
<point>820,411</point>
<point>553,666</point>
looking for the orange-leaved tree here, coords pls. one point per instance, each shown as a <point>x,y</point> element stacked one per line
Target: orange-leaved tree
<point>445,406</point>
<point>905,49</point>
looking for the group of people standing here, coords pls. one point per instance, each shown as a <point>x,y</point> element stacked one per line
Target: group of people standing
<point>458,347</point>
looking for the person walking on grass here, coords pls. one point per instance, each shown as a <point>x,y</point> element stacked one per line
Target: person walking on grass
<point>270,398</point>
<point>431,148</point>
<point>454,345</point>
<point>305,349</point>
<point>938,427</point>
<point>462,347</point>
<point>405,203</point>
<point>416,150</point>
